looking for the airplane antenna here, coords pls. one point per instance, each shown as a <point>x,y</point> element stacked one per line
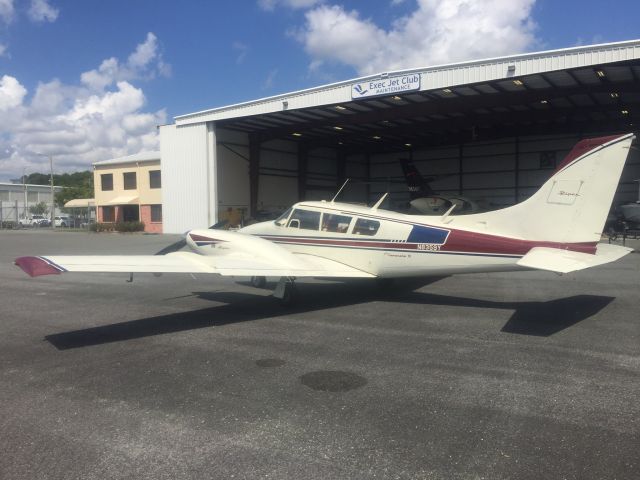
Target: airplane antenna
<point>379,202</point>
<point>343,185</point>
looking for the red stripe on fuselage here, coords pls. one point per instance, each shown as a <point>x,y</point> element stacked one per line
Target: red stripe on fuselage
<point>458,241</point>
<point>462,241</point>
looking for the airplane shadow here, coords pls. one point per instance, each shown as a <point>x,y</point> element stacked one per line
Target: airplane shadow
<point>529,318</point>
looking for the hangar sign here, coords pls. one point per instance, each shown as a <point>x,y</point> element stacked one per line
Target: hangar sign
<point>386,86</point>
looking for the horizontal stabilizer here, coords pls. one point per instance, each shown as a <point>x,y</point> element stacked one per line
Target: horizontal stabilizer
<point>565,261</point>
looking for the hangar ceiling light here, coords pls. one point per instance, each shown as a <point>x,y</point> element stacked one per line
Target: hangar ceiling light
<point>340,107</point>
<point>615,94</point>
<point>518,83</point>
<point>600,73</point>
<point>296,134</point>
<point>625,112</point>
<point>337,128</point>
<point>377,137</point>
<point>396,97</point>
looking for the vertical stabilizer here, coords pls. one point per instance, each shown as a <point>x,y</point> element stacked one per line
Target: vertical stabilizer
<point>571,206</point>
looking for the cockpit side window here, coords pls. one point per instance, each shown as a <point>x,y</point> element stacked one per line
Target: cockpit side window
<point>364,226</point>
<point>282,219</point>
<point>304,219</point>
<point>335,223</point>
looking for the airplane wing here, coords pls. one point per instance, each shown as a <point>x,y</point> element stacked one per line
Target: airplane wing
<point>285,265</point>
<point>565,261</point>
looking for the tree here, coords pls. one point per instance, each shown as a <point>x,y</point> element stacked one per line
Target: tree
<point>77,185</point>
<point>39,209</point>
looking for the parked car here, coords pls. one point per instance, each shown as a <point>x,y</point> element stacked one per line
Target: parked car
<point>35,221</point>
<point>63,221</point>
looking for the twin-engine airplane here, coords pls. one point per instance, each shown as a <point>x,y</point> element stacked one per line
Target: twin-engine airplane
<point>556,229</point>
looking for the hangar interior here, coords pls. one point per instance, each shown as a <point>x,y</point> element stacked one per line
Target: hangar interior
<point>491,130</point>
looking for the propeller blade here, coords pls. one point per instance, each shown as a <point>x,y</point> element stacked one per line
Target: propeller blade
<point>174,247</point>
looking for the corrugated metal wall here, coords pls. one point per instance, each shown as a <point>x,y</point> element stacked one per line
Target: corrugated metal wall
<point>186,174</point>
<point>432,78</point>
<point>498,173</point>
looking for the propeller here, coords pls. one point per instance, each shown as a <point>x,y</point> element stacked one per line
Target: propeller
<point>174,247</point>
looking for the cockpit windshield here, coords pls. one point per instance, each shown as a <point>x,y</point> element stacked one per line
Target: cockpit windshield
<point>282,219</point>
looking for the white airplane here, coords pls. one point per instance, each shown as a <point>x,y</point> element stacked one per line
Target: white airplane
<point>557,229</point>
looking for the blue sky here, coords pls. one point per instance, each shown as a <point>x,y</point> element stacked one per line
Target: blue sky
<point>165,58</point>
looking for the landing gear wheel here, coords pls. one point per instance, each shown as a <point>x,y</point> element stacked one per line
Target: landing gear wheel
<point>289,295</point>
<point>258,282</point>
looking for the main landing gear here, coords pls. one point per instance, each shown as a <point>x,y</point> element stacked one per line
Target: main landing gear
<point>258,282</point>
<point>286,290</point>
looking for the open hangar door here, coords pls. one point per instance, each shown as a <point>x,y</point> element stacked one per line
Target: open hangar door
<point>495,140</point>
<point>282,171</point>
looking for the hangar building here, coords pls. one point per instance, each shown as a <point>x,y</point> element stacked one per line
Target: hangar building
<point>491,129</point>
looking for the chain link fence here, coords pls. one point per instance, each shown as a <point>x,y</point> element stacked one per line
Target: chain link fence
<point>14,214</point>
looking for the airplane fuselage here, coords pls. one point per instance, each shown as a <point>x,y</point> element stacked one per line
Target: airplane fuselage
<point>382,243</point>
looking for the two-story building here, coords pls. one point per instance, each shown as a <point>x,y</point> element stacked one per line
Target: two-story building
<point>129,189</point>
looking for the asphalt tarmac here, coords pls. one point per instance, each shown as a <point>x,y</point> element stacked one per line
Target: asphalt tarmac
<point>524,375</point>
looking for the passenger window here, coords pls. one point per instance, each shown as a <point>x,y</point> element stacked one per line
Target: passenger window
<point>335,223</point>
<point>366,227</point>
<point>305,220</point>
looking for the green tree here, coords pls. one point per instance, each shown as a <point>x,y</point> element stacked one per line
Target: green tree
<point>77,185</point>
<point>39,209</point>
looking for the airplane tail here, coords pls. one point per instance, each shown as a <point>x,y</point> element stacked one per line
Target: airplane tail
<point>418,186</point>
<point>572,206</point>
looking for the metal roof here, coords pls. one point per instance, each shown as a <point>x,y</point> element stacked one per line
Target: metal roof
<point>136,158</point>
<point>580,89</point>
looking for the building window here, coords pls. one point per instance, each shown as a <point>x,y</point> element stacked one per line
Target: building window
<point>156,213</point>
<point>108,214</point>
<point>129,180</point>
<point>106,181</point>
<point>155,180</point>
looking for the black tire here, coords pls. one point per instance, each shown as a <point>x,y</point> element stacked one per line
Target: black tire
<point>258,282</point>
<point>289,296</point>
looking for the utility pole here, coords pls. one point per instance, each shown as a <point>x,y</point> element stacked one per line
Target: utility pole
<point>53,199</point>
<point>24,189</point>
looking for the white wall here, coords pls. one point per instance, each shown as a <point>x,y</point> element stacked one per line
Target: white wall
<point>187,173</point>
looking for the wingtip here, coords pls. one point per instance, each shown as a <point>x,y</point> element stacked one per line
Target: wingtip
<point>36,266</point>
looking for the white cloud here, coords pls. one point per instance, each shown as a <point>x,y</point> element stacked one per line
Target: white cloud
<point>41,11</point>
<point>144,63</point>
<point>3,50</point>
<point>436,32</point>
<point>11,93</point>
<point>270,5</point>
<point>7,11</point>
<point>242,50</point>
<point>79,123</point>
<point>269,81</point>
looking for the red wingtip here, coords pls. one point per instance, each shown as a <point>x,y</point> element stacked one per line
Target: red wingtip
<point>36,266</point>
